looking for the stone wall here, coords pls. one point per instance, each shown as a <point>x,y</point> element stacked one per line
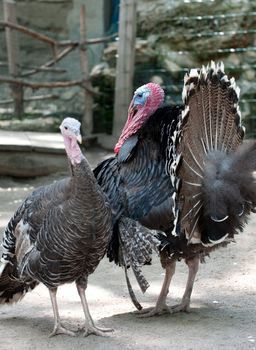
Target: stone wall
<point>174,36</point>
<point>188,34</point>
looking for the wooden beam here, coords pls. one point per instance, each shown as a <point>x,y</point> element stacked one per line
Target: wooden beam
<point>87,41</point>
<point>50,85</point>
<point>33,98</point>
<point>13,53</point>
<point>54,42</point>
<point>43,69</point>
<point>87,120</point>
<point>50,63</point>
<point>9,23</point>
<point>38,85</point>
<point>125,64</point>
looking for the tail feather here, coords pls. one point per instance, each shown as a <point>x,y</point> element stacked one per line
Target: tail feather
<point>9,239</point>
<point>134,249</point>
<point>228,193</point>
<point>137,244</point>
<point>12,289</point>
<point>217,190</point>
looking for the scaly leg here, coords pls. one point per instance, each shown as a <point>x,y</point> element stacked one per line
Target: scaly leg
<point>89,326</point>
<point>193,265</point>
<point>161,307</point>
<point>58,327</point>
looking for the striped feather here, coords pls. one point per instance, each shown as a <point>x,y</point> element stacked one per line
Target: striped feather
<point>209,136</point>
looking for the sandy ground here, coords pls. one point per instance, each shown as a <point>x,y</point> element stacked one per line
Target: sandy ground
<point>222,311</point>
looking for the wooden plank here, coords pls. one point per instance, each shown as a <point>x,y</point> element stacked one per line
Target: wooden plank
<point>13,25</point>
<point>38,85</point>
<point>87,121</point>
<point>13,53</point>
<point>125,63</point>
<point>54,42</point>
<point>32,98</point>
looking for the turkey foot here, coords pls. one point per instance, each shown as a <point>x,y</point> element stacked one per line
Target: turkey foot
<point>153,311</point>
<point>91,329</point>
<point>184,306</point>
<point>60,329</point>
<point>161,307</point>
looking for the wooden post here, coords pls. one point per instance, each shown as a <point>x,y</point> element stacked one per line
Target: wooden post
<point>125,64</point>
<point>87,122</point>
<point>13,53</point>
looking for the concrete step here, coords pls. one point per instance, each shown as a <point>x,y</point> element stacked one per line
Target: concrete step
<point>28,154</point>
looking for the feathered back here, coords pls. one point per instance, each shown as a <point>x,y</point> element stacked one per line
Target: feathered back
<point>217,188</point>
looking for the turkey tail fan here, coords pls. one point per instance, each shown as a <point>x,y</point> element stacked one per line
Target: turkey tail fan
<point>217,189</point>
<point>13,289</point>
<point>229,192</point>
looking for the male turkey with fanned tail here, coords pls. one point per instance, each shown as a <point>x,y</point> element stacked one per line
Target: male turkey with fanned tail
<point>58,235</point>
<point>212,170</point>
<point>175,170</point>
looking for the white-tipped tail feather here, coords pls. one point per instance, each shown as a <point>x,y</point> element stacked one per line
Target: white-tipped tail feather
<point>217,188</point>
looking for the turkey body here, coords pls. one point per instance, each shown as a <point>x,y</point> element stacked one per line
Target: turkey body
<point>58,235</point>
<point>139,187</point>
<point>164,176</point>
<point>136,182</point>
<point>69,227</point>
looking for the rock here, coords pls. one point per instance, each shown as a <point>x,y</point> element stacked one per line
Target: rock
<point>29,154</point>
<point>144,52</point>
<point>31,163</point>
<point>249,75</point>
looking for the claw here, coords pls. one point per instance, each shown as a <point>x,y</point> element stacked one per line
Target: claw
<point>182,307</point>
<point>59,329</point>
<point>96,330</point>
<point>153,311</point>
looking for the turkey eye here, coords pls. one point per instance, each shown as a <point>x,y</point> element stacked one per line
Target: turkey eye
<point>140,95</point>
<point>65,127</point>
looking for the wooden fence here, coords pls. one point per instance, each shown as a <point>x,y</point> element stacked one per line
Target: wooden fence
<point>60,49</point>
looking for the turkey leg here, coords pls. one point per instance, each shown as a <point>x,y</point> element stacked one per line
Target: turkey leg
<point>58,327</point>
<point>193,265</point>
<point>89,327</point>
<point>161,307</point>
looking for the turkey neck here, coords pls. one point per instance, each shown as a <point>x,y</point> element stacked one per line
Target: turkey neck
<point>73,150</point>
<point>82,179</point>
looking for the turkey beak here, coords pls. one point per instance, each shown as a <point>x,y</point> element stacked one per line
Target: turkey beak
<point>79,138</point>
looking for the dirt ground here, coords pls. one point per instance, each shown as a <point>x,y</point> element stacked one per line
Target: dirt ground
<point>222,311</point>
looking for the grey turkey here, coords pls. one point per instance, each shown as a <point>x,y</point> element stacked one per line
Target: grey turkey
<point>152,178</point>
<point>58,235</point>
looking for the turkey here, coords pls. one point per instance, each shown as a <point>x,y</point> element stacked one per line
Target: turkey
<point>164,157</point>
<point>58,235</point>
<point>136,181</point>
